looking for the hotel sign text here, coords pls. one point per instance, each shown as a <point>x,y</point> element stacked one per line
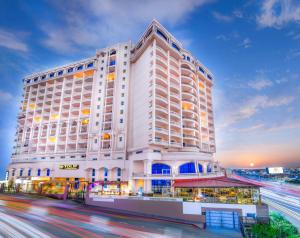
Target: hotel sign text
<point>69,166</point>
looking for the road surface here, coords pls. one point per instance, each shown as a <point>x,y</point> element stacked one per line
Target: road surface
<point>27,216</point>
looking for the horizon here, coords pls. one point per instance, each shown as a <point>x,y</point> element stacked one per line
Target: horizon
<point>256,88</point>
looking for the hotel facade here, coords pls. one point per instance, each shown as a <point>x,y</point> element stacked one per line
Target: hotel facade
<point>134,118</point>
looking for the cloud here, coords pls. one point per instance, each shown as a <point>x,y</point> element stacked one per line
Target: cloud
<point>10,40</point>
<point>221,17</point>
<point>260,84</point>
<point>246,43</point>
<point>94,24</point>
<point>222,37</point>
<point>5,96</point>
<point>278,13</point>
<point>255,105</point>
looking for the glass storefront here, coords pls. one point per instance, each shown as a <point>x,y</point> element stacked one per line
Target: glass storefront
<point>219,195</point>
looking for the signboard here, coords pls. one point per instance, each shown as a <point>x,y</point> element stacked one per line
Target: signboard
<point>275,170</point>
<point>69,166</point>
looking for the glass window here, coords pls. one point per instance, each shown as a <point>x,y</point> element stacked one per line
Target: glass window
<point>119,172</point>
<point>51,75</point>
<point>105,172</point>
<point>80,67</point>
<point>29,172</point>
<point>90,65</point>
<point>209,168</point>
<point>39,172</point>
<point>201,69</point>
<point>93,172</point>
<point>70,70</point>
<point>21,172</point>
<point>200,167</point>
<point>121,120</point>
<point>48,172</point>
<point>160,33</point>
<point>175,46</point>
<point>161,169</point>
<point>60,72</point>
<point>187,168</point>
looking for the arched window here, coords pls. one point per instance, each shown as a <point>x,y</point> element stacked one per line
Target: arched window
<point>161,169</point>
<point>93,172</point>
<point>209,168</point>
<point>29,172</point>
<point>188,168</point>
<point>105,172</point>
<point>21,172</point>
<point>200,168</point>
<point>118,172</point>
<point>48,172</point>
<point>39,172</point>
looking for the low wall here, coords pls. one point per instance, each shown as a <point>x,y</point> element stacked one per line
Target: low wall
<point>167,209</point>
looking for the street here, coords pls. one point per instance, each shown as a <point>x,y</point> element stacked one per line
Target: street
<point>29,216</point>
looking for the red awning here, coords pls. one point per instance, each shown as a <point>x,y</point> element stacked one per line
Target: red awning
<point>219,182</point>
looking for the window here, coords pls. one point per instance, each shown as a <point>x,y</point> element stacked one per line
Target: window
<point>122,94</point>
<point>188,168</point>
<point>13,173</point>
<point>123,78</point>
<point>35,79</point>
<point>201,69</point>
<point>139,152</point>
<point>118,172</point>
<point>60,72</point>
<point>188,58</point>
<point>209,168</point>
<point>200,168</point>
<point>39,172</point>
<point>120,138</point>
<point>209,77</point>
<point>48,172</point>
<point>101,69</point>
<point>122,103</point>
<point>97,123</point>
<point>126,47</point>
<point>121,120</point>
<point>90,65</point>
<point>175,46</point>
<point>160,33</point>
<point>121,112</point>
<point>93,180</point>
<point>70,70</point>
<point>51,75</point>
<point>93,172</point>
<point>125,63</point>
<point>44,76</point>
<point>161,169</point>
<point>125,55</point>
<point>80,67</point>
<point>29,172</point>
<point>21,172</point>
<point>123,86</point>
<point>105,172</point>
<point>95,141</point>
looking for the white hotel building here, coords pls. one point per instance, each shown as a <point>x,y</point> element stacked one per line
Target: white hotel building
<point>136,117</point>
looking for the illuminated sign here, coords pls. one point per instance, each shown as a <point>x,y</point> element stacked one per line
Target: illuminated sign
<point>275,170</point>
<point>69,166</point>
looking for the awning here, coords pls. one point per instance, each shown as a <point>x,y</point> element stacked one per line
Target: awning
<point>219,182</point>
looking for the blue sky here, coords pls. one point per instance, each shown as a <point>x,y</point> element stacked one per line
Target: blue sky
<point>252,47</point>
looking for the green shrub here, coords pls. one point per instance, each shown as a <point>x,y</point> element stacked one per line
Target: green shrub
<point>278,227</point>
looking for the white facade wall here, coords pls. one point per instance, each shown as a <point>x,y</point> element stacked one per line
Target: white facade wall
<point>132,119</point>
